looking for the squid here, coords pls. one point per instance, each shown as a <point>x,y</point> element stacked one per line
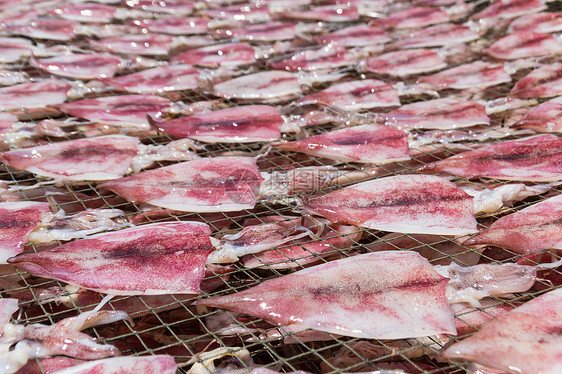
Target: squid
<point>545,81</point>
<point>157,364</point>
<point>545,117</point>
<point>507,9</point>
<point>62,338</point>
<point>524,44</point>
<point>78,66</point>
<point>220,55</point>
<point>325,13</point>
<point>414,17</point>
<point>157,80</point>
<point>18,220</point>
<point>343,297</point>
<point>14,49</point>
<point>441,114</point>
<point>33,95</point>
<point>218,184</point>
<point>533,159</point>
<point>128,111</point>
<point>377,144</point>
<point>545,22</point>
<point>478,74</point>
<point>45,28</point>
<point>260,33</point>
<point>173,25</point>
<point>405,203</point>
<point>263,87</point>
<point>354,96</point>
<point>404,63</point>
<point>355,36</point>
<point>436,36</point>
<point>303,251</point>
<point>530,230</point>
<point>242,124</point>
<point>327,57</point>
<point>154,259</point>
<point>93,159</point>
<point>135,44</point>
<point>523,340</point>
<point>473,283</point>
<point>465,288</point>
<point>181,8</point>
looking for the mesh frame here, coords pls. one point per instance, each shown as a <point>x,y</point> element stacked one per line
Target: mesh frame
<point>181,331</point>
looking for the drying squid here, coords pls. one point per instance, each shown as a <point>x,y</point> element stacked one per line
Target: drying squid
<point>441,114</point>
<point>507,9</point>
<point>478,74</point>
<point>327,57</point>
<point>437,36</point>
<point>95,13</point>
<point>9,78</point>
<point>304,251</point>
<point>263,87</point>
<point>220,55</point>
<point>62,227</point>
<point>79,66</point>
<point>491,198</point>
<point>173,25</point>
<point>135,44</point>
<point>45,28</point>
<point>260,33</point>
<point>530,230</point>
<point>404,203</point>
<point>415,17</point>
<point>533,159</point>
<point>524,44</point>
<point>177,7</point>
<point>523,340</point>
<point>98,158</point>
<point>367,296</point>
<point>235,15</point>
<point>33,95</point>
<point>18,219</point>
<point>157,80</point>
<point>545,117</point>
<point>325,13</point>
<point>14,49</point>
<point>26,221</point>
<point>48,365</point>
<point>158,364</point>
<point>154,259</point>
<point>275,231</point>
<point>472,283</point>
<point>62,338</point>
<point>242,124</point>
<point>378,144</point>
<point>355,96</point>
<point>545,22</point>
<point>545,81</point>
<point>127,111</point>
<point>469,319</point>
<point>404,63</point>
<point>217,184</point>
<point>355,36</point>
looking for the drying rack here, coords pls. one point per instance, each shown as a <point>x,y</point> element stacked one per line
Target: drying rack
<point>179,329</point>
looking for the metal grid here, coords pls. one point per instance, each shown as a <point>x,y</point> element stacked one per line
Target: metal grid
<point>178,329</point>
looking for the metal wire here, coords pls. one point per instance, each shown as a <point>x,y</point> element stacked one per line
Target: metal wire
<point>177,328</point>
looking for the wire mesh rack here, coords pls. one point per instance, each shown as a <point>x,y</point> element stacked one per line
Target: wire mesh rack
<point>173,325</point>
